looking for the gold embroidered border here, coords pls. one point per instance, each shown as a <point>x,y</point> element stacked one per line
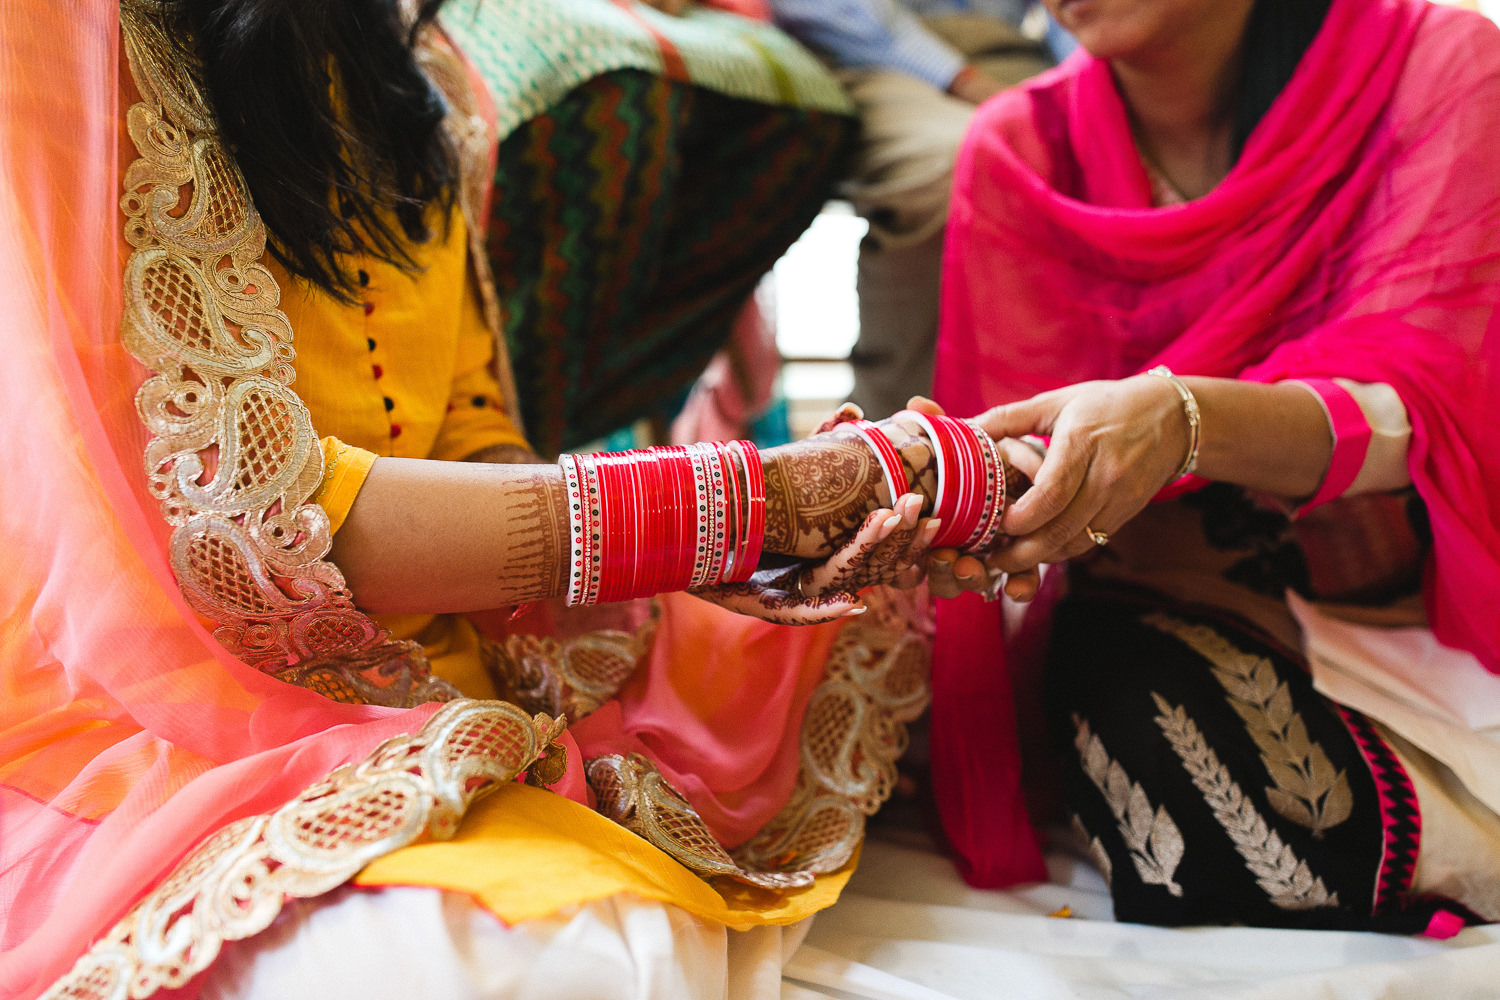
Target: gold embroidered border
<point>571,676</point>
<point>233,457</point>
<point>853,733</point>
<point>234,883</point>
<point>1286,879</point>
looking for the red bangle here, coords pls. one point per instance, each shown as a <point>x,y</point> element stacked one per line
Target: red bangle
<point>886,455</point>
<point>1351,440</point>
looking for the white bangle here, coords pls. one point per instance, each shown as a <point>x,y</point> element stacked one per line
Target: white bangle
<point>1189,410</point>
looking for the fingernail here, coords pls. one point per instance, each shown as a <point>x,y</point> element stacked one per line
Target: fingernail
<point>854,611</point>
<point>890,523</point>
<point>996,573</point>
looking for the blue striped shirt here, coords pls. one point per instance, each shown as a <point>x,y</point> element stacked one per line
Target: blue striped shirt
<point>886,34</point>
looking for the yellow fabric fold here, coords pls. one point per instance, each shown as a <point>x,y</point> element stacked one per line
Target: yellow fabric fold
<point>345,468</point>
<point>524,853</point>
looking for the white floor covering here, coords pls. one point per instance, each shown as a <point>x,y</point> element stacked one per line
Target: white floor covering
<point>908,928</point>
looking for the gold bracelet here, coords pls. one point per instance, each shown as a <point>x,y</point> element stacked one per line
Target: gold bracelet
<point>1189,410</point>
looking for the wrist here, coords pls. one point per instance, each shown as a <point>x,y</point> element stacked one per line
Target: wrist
<point>1187,417</point>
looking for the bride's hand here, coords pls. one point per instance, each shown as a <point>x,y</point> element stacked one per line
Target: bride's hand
<point>889,548</point>
<point>951,573</point>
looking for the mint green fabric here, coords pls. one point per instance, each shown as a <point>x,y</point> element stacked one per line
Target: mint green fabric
<point>531,53</point>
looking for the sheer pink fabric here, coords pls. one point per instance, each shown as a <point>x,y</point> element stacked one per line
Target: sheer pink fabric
<point>126,733</point>
<point>1358,236</point>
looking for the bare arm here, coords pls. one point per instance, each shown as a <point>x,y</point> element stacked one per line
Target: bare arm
<point>428,536</point>
<point>1116,444</point>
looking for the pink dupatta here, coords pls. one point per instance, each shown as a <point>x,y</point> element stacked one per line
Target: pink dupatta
<point>1358,236</point>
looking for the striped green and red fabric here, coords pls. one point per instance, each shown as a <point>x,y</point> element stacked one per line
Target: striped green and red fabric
<point>634,215</point>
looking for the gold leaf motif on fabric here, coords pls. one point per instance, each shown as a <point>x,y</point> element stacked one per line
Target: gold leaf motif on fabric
<point>1286,880</point>
<point>234,883</point>
<point>1097,854</point>
<point>1307,790</point>
<point>233,457</point>
<point>1151,835</point>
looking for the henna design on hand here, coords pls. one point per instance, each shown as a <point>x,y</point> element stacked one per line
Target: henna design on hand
<point>773,595</point>
<point>818,493</point>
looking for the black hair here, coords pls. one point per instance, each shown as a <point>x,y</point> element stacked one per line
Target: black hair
<point>1276,35</point>
<point>333,124</point>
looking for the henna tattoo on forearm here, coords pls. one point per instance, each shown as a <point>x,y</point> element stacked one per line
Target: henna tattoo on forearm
<point>534,562</point>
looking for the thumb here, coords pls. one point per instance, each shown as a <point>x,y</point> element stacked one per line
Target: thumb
<point>1029,416</point>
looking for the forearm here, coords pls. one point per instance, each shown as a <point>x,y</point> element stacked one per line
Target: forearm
<point>426,536</point>
<point>1273,438</point>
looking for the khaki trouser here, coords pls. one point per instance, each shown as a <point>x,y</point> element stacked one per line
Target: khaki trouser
<point>900,184</point>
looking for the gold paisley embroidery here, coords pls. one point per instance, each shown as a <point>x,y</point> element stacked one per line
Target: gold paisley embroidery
<point>1288,881</point>
<point>233,884</point>
<point>852,735</point>
<point>1308,790</point>
<point>1151,836</point>
<point>571,677</point>
<point>232,456</point>
<point>630,790</point>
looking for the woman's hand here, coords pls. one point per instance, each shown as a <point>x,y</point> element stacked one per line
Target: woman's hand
<point>889,548</point>
<point>1114,446</point>
<point>950,572</point>
<point>820,490</point>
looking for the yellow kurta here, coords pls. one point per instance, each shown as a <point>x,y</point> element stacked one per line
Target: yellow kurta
<point>407,372</point>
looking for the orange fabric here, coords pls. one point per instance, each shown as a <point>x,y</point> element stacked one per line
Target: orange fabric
<point>127,733</point>
<point>518,831</point>
<point>719,710</point>
<point>345,468</point>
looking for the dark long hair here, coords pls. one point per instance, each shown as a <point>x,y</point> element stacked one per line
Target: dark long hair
<point>334,126</point>
<point>1276,36</point>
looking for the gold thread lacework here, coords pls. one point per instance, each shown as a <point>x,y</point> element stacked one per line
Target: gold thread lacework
<point>233,457</point>
<point>234,883</point>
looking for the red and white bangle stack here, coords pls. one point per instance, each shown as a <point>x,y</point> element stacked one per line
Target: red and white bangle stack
<point>970,482</point>
<point>663,519</point>
<point>886,454</point>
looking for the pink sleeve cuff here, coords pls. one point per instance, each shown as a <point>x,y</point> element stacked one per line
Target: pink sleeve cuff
<point>1351,440</point>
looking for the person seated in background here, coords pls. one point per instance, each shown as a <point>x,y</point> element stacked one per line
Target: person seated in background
<point>1243,259</point>
<point>650,170</point>
<point>915,69</point>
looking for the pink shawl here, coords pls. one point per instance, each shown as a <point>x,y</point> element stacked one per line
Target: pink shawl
<point>1357,236</point>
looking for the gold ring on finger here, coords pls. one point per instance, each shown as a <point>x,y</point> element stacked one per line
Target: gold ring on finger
<point>1097,537</point>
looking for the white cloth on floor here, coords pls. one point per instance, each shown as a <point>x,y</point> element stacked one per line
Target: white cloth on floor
<point>413,943</point>
<point>908,928</point>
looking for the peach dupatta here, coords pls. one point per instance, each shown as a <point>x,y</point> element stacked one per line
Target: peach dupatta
<point>127,733</point>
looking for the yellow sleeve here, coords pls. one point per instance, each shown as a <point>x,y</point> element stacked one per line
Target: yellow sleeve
<point>344,470</point>
<point>476,418</point>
